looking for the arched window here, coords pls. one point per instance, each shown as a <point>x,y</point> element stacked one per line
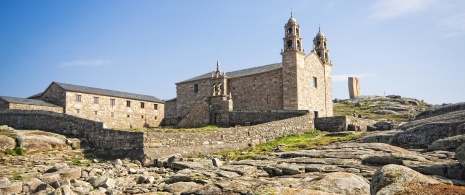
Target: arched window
<point>219,88</point>
<point>214,89</point>
<point>318,43</point>
<point>298,44</point>
<point>326,56</point>
<point>319,54</point>
<point>297,32</point>
<point>325,43</point>
<point>289,31</point>
<point>289,43</point>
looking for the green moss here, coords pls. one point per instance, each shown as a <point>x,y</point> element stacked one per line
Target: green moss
<point>15,151</point>
<point>17,177</point>
<point>304,141</point>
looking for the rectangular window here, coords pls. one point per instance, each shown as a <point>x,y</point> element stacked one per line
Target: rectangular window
<point>95,112</point>
<point>316,114</point>
<point>78,111</point>
<point>142,105</point>
<point>128,104</point>
<point>95,100</point>
<point>112,102</point>
<point>155,106</point>
<point>142,116</point>
<point>155,117</point>
<point>78,98</point>
<point>112,114</point>
<point>196,88</point>
<point>315,84</point>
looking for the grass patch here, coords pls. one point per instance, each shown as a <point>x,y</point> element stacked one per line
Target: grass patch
<point>17,177</point>
<point>80,162</point>
<point>15,151</point>
<point>304,141</point>
<point>8,133</point>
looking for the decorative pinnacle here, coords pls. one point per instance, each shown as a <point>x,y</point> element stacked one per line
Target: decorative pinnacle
<point>217,66</point>
<point>319,27</point>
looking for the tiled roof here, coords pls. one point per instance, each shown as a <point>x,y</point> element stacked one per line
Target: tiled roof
<point>16,100</point>
<point>107,92</point>
<point>240,73</point>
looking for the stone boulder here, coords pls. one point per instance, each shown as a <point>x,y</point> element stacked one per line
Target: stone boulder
<point>441,110</point>
<point>6,142</point>
<point>339,183</point>
<point>380,137</point>
<point>11,188</point>
<point>447,143</point>
<point>423,135</point>
<point>41,141</point>
<point>460,154</point>
<point>396,179</point>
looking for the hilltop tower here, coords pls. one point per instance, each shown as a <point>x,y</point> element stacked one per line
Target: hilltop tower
<point>293,59</point>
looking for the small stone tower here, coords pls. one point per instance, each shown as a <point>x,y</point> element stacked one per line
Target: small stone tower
<point>320,47</point>
<point>293,58</point>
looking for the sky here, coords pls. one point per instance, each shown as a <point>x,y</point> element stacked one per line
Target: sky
<point>412,48</point>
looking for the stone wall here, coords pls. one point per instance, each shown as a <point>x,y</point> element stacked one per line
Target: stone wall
<point>106,142</point>
<point>170,108</point>
<point>342,123</point>
<point>198,115</point>
<point>158,144</point>
<point>262,91</point>
<point>241,117</point>
<point>14,106</point>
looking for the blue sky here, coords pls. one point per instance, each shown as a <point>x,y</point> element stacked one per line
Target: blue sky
<point>412,48</point>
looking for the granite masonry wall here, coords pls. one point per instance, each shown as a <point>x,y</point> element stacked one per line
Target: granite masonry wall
<point>342,123</point>
<point>107,143</point>
<point>147,146</point>
<point>246,117</point>
<point>158,144</point>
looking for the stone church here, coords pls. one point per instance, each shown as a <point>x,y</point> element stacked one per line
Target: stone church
<point>300,82</point>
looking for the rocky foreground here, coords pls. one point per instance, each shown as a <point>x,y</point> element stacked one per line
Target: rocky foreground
<point>425,156</point>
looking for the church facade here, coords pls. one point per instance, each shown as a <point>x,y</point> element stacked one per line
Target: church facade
<point>300,82</point>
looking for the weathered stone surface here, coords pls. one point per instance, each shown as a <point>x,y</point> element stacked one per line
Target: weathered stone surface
<point>460,154</point>
<point>385,112</point>
<point>447,143</point>
<point>216,162</point>
<point>396,179</point>
<point>339,183</point>
<point>227,174</point>
<point>182,187</point>
<point>186,165</point>
<point>243,170</point>
<point>354,87</point>
<point>11,188</point>
<point>380,137</point>
<point>40,141</point>
<point>6,142</point>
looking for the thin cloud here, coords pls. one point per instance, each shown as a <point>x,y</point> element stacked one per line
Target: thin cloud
<point>75,63</point>
<point>344,77</point>
<point>387,9</point>
<point>455,23</point>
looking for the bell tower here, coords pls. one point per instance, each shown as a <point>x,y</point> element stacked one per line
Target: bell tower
<point>293,63</point>
<point>320,47</point>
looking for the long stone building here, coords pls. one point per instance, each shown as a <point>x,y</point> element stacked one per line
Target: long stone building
<point>115,109</point>
<point>300,82</point>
